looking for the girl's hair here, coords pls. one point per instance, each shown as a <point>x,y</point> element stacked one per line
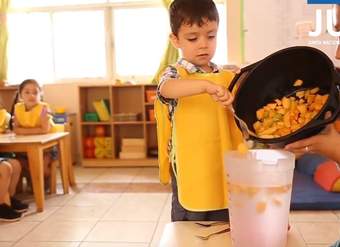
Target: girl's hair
<point>191,12</point>
<point>21,87</point>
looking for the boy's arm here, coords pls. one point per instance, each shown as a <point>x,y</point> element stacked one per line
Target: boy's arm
<point>176,88</point>
<point>171,88</point>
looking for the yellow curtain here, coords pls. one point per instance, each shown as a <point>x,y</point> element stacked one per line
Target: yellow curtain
<point>170,56</point>
<point>3,40</point>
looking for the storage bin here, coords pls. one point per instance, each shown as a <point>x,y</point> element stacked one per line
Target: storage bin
<point>150,95</point>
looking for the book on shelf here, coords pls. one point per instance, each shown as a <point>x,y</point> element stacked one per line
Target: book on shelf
<point>133,142</point>
<point>132,155</point>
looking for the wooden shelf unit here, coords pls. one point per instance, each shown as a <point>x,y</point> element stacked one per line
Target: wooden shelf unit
<point>121,99</point>
<point>7,95</point>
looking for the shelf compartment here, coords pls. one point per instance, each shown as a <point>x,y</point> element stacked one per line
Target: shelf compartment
<point>151,141</point>
<point>150,113</point>
<point>128,100</point>
<point>97,142</point>
<point>127,131</point>
<point>150,93</point>
<point>87,95</point>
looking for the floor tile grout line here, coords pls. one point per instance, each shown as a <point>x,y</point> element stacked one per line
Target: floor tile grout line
<point>40,222</point>
<point>158,221</point>
<point>300,233</point>
<point>315,222</point>
<point>89,231</point>
<point>99,220</point>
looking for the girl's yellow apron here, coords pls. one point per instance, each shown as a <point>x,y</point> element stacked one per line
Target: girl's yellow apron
<point>4,120</point>
<point>31,119</point>
<point>202,132</point>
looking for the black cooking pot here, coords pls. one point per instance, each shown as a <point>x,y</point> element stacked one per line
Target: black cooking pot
<point>273,78</point>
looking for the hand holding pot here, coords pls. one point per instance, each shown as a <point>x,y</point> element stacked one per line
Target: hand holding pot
<point>326,143</point>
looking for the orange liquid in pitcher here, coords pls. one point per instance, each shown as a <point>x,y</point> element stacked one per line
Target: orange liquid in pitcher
<point>259,215</point>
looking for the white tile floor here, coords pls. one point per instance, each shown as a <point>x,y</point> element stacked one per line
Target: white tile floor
<point>126,217</point>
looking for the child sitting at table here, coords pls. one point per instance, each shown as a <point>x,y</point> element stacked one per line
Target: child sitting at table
<point>31,116</point>
<point>12,209</point>
<point>4,119</point>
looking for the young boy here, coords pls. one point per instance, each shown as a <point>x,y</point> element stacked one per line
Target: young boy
<point>194,126</point>
<point>9,175</point>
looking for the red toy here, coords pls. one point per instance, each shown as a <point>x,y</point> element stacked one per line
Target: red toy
<point>89,142</point>
<point>100,131</point>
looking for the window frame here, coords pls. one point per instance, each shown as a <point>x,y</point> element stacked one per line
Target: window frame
<point>108,9</point>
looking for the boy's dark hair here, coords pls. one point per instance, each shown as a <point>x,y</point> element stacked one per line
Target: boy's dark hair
<point>21,87</point>
<point>191,12</point>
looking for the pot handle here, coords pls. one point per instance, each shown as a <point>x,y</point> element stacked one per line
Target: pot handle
<point>337,76</point>
<point>238,75</point>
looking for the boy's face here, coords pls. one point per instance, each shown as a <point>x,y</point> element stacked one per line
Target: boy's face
<point>197,43</point>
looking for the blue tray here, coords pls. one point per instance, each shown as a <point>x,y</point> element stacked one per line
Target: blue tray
<point>307,195</point>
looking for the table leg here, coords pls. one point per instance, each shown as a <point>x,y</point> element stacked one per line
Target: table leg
<point>64,164</point>
<point>36,167</point>
<point>71,176</point>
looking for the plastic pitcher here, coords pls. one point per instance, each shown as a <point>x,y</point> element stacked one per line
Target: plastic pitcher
<point>260,185</point>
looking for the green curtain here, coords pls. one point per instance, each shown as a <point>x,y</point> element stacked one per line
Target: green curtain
<point>3,40</point>
<point>170,56</point>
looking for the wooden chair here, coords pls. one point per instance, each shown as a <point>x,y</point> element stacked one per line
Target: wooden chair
<point>53,171</point>
<point>53,177</point>
<point>53,168</point>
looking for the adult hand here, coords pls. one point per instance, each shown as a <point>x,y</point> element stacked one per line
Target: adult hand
<point>326,143</point>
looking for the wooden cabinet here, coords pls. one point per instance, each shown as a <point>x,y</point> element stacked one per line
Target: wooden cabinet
<point>7,96</point>
<point>131,117</point>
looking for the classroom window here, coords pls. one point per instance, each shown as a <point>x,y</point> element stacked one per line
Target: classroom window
<point>107,39</point>
<point>140,40</point>
<point>79,44</point>
<point>30,53</point>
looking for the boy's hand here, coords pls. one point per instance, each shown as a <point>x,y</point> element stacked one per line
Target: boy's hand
<point>220,94</point>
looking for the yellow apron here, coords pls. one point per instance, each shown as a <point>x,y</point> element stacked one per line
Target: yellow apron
<point>203,131</point>
<point>4,120</point>
<point>31,119</point>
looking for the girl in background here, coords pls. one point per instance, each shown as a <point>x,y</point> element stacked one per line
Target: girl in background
<point>31,116</point>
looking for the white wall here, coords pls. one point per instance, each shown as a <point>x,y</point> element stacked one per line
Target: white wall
<point>62,95</point>
<point>270,25</point>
